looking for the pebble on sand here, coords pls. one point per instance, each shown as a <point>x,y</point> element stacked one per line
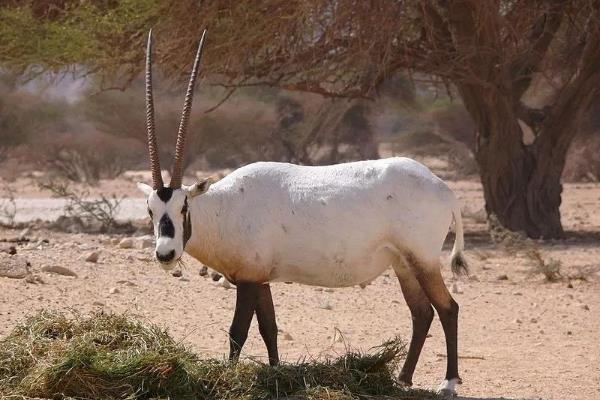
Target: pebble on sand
<point>145,242</point>
<point>224,283</point>
<point>13,266</point>
<point>92,257</point>
<point>57,269</point>
<point>126,243</point>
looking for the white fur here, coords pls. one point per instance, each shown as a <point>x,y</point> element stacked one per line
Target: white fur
<point>334,226</point>
<point>448,387</point>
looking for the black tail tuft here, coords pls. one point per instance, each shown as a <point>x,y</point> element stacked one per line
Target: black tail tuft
<point>459,264</point>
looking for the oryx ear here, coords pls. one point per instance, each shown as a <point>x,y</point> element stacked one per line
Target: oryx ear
<point>198,188</point>
<point>146,189</point>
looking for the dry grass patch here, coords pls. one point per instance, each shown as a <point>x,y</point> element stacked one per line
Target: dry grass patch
<point>52,355</point>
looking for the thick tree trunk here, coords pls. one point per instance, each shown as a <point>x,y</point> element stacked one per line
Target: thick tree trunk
<point>521,182</point>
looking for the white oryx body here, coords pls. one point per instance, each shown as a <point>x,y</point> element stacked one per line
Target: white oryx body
<point>334,226</point>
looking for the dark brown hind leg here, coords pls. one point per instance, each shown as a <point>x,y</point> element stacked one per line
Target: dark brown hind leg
<point>265,313</point>
<point>422,315</point>
<point>430,278</point>
<point>245,304</point>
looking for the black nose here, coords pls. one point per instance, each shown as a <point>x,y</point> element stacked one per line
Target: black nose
<point>165,257</point>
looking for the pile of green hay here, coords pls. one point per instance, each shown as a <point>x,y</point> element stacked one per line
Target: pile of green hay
<point>117,357</point>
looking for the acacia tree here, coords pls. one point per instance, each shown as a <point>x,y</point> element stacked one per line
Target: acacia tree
<point>491,52</point>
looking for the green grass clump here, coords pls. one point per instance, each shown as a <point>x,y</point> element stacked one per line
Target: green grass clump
<point>106,356</point>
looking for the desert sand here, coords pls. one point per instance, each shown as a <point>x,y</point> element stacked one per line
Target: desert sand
<point>520,337</point>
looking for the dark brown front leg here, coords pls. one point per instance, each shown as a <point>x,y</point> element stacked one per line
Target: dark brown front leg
<point>245,304</point>
<point>267,325</point>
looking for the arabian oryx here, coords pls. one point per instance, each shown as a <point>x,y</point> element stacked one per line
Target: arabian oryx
<point>332,226</point>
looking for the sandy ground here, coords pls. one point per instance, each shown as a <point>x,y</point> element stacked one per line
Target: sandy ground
<point>518,338</point>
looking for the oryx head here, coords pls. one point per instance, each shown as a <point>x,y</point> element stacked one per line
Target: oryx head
<point>168,205</point>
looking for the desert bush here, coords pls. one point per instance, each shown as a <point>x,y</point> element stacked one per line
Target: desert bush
<point>107,356</point>
<point>8,206</point>
<point>506,238</point>
<point>551,269</point>
<point>88,157</point>
<point>517,241</point>
<point>100,211</point>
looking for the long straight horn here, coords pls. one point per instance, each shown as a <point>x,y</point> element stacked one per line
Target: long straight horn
<point>157,181</point>
<point>177,175</point>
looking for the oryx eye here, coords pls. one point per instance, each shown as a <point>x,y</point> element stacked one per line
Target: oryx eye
<point>150,213</point>
<point>184,209</point>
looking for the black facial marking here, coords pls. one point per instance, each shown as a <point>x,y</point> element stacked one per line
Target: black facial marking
<point>165,227</point>
<point>187,228</point>
<point>165,193</point>
<point>184,209</point>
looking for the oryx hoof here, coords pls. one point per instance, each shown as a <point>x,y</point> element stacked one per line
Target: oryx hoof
<point>447,389</point>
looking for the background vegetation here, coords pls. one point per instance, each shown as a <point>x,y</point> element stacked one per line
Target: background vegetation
<point>526,72</point>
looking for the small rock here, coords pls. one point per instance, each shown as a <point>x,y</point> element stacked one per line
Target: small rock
<point>126,283</point>
<point>145,242</point>
<point>126,243</point>
<point>328,290</point>
<point>570,285</point>
<point>203,270</point>
<point>287,336</point>
<point>144,257</point>
<point>57,269</point>
<point>569,333</point>
<point>533,320</point>
<point>502,277</point>
<point>215,276</point>
<point>92,257</point>
<point>34,278</point>
<point>114,290</point>
<point>115,241</point>
<point>518,321</point>
<point>98,304</point>
<point>456,289</point>
<point>474,278</point>
<point>177,273</point>
<point>517,294</point>
<point>585,307</point>
<point>326,306</point>
<point>184,279</point>
<point>224,283</point>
